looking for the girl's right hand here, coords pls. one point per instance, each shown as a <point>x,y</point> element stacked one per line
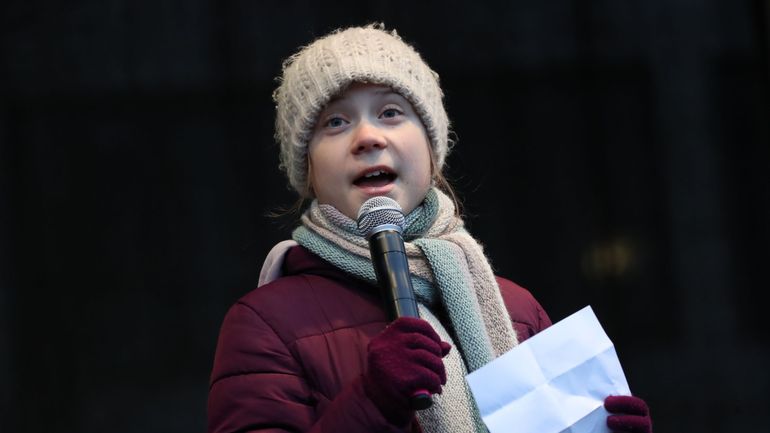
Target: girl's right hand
<point>402,359</point>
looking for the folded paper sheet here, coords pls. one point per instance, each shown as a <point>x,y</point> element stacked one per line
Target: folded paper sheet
<point>554,382</point>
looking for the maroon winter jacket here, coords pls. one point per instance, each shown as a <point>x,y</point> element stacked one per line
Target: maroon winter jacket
<point>291,353</point>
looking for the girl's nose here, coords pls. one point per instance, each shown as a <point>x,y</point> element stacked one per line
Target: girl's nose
<point>368,137</point>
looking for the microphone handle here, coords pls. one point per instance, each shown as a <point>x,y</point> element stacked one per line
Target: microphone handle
<point>392,272</point>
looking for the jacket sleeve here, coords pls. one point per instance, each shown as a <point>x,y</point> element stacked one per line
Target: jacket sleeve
<point>527,315</point>
<point>258,386</point>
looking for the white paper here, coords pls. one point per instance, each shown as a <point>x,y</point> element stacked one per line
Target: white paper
<point>553,382</point>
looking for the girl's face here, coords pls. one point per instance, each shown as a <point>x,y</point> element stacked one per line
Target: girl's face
<point>369,142</point>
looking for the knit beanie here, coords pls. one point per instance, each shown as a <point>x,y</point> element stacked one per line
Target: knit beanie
<point>326,67</point>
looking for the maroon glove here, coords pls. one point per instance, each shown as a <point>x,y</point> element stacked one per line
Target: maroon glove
<point>404,358</point>
<point>633,416</point>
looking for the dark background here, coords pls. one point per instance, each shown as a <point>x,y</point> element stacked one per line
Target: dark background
<point>610,153</point>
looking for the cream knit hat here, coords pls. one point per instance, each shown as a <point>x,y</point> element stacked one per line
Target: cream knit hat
<point>327,66</point>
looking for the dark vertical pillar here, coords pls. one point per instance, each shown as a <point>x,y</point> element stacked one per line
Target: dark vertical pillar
<point>701,257</point>
<point>7,414</point>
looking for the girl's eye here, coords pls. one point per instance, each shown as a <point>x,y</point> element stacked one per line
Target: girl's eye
<point>335,122</point>
<point>390,113</point>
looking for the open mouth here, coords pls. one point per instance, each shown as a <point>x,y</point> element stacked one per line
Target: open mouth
<point>375,178</point>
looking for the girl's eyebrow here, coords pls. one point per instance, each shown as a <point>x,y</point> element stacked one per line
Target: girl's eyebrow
<point>334,99</point>
<point>386,91</point>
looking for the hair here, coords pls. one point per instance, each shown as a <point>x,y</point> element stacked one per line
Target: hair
<point>441,182</point>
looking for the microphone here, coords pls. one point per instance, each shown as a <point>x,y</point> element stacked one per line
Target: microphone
<point>381,222</point>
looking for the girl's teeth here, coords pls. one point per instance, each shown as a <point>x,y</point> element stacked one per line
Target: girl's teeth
<point>374,173</point>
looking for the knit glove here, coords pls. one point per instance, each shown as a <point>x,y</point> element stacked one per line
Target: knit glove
<point>402,359</point>
<point>631,414</point>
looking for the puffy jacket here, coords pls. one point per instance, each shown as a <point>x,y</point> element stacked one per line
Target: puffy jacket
<point>291,353</point>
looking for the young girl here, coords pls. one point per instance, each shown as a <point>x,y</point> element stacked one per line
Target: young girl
<point>359,114</point>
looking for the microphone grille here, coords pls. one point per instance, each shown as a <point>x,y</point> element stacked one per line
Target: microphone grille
<point>379,211</point>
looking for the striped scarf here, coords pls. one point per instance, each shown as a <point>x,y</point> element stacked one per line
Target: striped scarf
<point>449,272</point>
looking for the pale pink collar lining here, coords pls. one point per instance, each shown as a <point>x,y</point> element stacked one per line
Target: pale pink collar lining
<point>271,268</point>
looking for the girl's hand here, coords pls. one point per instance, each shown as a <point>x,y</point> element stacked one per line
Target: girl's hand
<point>402,359</point>
<point>630,414</point>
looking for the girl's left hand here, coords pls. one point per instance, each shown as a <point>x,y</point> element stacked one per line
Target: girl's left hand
<point>630,414</point>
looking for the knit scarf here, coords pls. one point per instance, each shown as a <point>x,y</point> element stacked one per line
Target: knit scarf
<point>449,273</point>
